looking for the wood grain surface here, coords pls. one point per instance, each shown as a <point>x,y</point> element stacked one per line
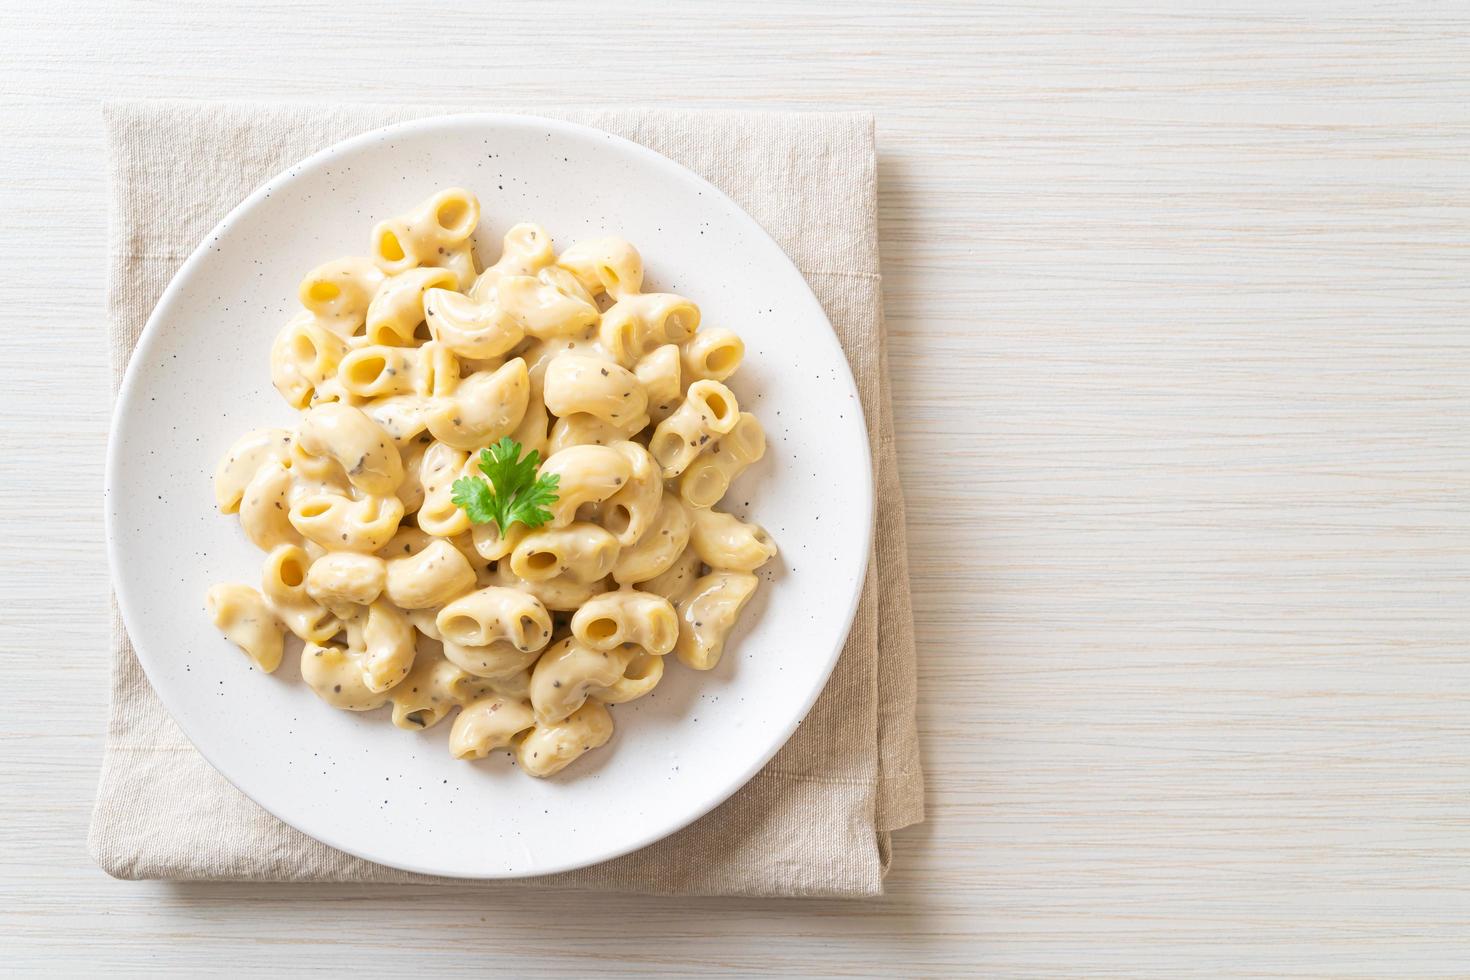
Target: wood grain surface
<point>1179,301</point>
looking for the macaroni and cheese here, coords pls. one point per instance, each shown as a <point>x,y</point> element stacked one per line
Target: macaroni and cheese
<point>407,365</point>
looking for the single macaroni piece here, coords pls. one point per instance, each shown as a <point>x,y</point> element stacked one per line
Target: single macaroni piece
<point>661,377</point>
<point>641,675</point>
<point>283,583</point>
<point>468,328</point>
<point>388,646</point>
<point>723,541</point>
<point>244,618</point>
<point>551,748</point>
<point>496,613</point>
<point>706,615</point>
<point>335,673</point>
<point>709,411</point>
<point>410,492</point>
<point>405,365</point>
<point>430,691</point>
<point>306,353</point>
<point>442,222</point>
<point>551,303</point>
<point>582,551</point>
<point>629,512</point>
<point>606,265</point>
<point>639,322</point>
<point>713,355</point>
<point>498,659</point>
<point>706,480</point>
<point>377,371</point>
<point>396,311</point>
<point>338,293</point>
<point>587,475</point>
<point>585,430</point>
<point>263,505</point>
<point>568,672</point>
<point>403,417</point>
<point>526,250</point>
<point>593,386</point>
<point>488,724</point>
<point>659,547</point>
<point>675,581</point>
<point>341,581</point>
<point>485,406</point>
<point>335,521</point>
<point>243,461</point>
<point>431,577</point>
<point>627,616</point>
<point>441,465</point>
<point>358,444</point>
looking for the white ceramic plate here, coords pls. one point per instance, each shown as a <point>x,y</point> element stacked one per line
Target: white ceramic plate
<point>200,377</point>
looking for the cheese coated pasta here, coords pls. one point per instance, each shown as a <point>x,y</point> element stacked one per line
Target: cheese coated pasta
<point>342,580</point>
<point>244,618</point>
<point>488,724</point>
<point>724,542</point>
<point>627,616</point>
<point>579,383</point>
<point>243,461</point>
<point>396,311</point>
<point>706,614</point>
<point>499,496</point>
<point>550,304</point>
<point>708,478</point>
<point>548,749</point>
<point>709,410</point>
<point>338,293</point>
<point>305,355</point>
<point>356,443</point>
<point>283,583</point>
<point>431,577</point>
<point>484,407</point>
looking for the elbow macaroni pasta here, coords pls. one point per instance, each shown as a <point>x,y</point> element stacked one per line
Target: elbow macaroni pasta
<point>706,614</point>
<point>244,618</point>
<point>709,410</point>
<point>485,406</point>
<point>627,617</point>
<point>338,294</point>
<point>404,364</point>
<point>579,383</point>
<point>722,541</point>
<point>707,479</point>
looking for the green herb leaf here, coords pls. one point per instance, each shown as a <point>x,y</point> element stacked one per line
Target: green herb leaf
<point>476,498</point>
<point>515,494</point>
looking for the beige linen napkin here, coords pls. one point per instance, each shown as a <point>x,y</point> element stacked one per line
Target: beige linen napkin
<point>816,820</point>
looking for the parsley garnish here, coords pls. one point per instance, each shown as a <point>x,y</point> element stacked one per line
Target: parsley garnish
<point>514,493</point>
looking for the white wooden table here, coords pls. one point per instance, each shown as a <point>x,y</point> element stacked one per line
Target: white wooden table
<point>1180,310</point>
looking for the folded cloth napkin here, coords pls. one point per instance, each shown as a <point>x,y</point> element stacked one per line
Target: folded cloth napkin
<point>817,819</point>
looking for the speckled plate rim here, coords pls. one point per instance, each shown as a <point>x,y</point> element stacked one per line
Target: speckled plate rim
<point>150,336</point>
